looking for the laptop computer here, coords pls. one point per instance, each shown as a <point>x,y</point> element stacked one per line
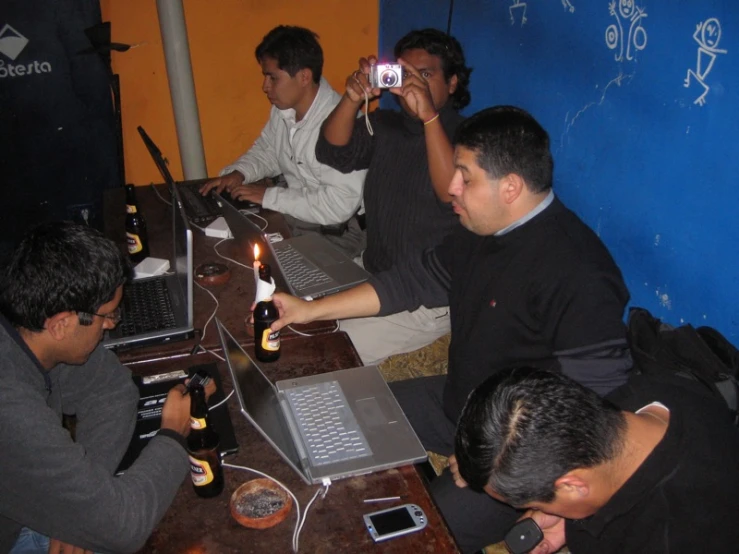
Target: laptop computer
<point>333,425</point>
<point>200,209</point>
<point>308,266</point>
<point>159,309</point>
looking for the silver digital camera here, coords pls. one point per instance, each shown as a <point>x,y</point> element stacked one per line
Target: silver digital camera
<point>386,75</point>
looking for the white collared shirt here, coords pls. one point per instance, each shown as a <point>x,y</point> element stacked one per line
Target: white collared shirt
<point>315,193</point>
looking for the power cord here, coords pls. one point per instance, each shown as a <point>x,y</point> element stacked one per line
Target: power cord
<point>154,188</point>
<point>300,521</point>
<point>215,249</point>
<point>252,214</point>
<point>214,406</point>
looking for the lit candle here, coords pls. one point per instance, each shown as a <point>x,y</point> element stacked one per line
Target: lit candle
<point>257,263</point>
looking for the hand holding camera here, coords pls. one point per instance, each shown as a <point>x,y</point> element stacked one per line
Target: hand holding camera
<point>358,86</point>
<point>415,92</point>
<point>386,75</point>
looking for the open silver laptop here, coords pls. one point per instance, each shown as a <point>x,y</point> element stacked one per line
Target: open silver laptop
<point>308,266</point>
<point>159,309</point>
<point>332,425</point>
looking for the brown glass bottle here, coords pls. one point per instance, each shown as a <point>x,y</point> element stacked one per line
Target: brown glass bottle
<point>136,237</point>
<point>202,446</point>
<point>266,341</point>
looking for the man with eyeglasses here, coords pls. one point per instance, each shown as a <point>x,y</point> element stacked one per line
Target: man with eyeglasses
<point>59,292</point>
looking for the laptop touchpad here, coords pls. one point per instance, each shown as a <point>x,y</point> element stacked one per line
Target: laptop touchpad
<point>370,412</point>
<point>326,258</point>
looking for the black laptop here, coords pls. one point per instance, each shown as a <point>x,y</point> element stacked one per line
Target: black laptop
<point>201,210</point>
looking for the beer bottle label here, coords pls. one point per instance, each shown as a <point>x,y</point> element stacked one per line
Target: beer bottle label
<point>270,340</point>
<point>200,471</point>
<point>197,423</point>
<point>134,243</point>
<point>130,209</point>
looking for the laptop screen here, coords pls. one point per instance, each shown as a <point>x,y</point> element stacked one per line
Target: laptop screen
<point>182,256</point>
<point>258,398</point>
<point>246,234</point>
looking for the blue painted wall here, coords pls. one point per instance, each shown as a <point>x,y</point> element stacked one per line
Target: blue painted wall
<point>637,156</point>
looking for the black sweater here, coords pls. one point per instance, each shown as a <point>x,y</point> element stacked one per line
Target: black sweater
<point>403,214</point>
<point>684,498</point>
<point>546,293</point>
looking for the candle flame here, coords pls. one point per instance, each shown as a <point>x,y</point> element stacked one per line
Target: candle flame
<point>256,252</point>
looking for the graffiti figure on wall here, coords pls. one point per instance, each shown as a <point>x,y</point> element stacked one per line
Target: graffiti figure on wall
<point>629,13</point>
<point>707,35</point>
<point>518,6</point>
<point>521,7</point>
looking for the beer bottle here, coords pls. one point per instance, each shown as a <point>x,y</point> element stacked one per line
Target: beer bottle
<point>202,446</point>
<point>266,341</point>
<point>136,237</point>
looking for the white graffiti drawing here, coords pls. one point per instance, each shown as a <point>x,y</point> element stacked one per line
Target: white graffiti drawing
<point>630,13</point>
<point>518,5</point>
<point>707,35</point>
<point>567,5</point>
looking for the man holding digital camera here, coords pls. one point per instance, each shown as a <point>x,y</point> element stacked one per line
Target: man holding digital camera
<point>409,160</point>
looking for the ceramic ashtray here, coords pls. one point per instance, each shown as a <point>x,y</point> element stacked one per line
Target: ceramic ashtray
<point>260,503</point>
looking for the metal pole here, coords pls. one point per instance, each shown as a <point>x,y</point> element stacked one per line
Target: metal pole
<point>182,88</point>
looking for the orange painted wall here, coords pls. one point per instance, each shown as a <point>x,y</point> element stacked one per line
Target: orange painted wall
<point>223,35</point>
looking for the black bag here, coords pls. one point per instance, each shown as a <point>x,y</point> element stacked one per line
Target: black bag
<point>701,354</point>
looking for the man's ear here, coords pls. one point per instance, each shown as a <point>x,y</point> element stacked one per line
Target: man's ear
<point>573,485</point>
<point>511,187</point>
<point>452,85</point>
<point>306,76</point>
<point>60,325</point>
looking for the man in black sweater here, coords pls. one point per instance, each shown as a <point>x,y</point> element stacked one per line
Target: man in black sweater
<point>409,161</point>
<point>657,474</point>
<point>527,282</point>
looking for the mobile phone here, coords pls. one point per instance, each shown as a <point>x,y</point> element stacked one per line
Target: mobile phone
<point>394,522</point>
<point>200,377</point>
<point>523,536</point>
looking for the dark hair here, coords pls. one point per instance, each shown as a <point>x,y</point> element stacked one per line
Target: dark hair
<point>524,428</point>
<point>448,49</point>
<point>294,48</point>
<point>58,267</point>
<point>509,140</point>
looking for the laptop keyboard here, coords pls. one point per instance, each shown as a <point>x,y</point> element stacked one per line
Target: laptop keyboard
<point>298,270</point>
<point>328,427</point>
<point>199,208</point>
<point>204,209</point>
<point>146,307</point>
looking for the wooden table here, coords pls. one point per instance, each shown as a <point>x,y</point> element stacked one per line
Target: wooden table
<point>334,524</point>
<point>234,298</point>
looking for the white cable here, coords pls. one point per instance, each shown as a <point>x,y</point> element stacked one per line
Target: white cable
<point>305,515</point>
<point>213,314</point>
<point>230,394</point>
<point>251,214</point>
<point>299,521</point>
<point>212,353</point>
<point>215,249</point>
<point>154,188</point>
<point>366,106</point>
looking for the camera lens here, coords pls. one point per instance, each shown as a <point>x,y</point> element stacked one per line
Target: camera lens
<point>389,78</point>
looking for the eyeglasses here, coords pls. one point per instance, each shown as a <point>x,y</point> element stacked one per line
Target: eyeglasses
<point>86,317</point>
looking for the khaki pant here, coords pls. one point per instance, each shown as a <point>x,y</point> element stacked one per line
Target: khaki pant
<point>377,338</point>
